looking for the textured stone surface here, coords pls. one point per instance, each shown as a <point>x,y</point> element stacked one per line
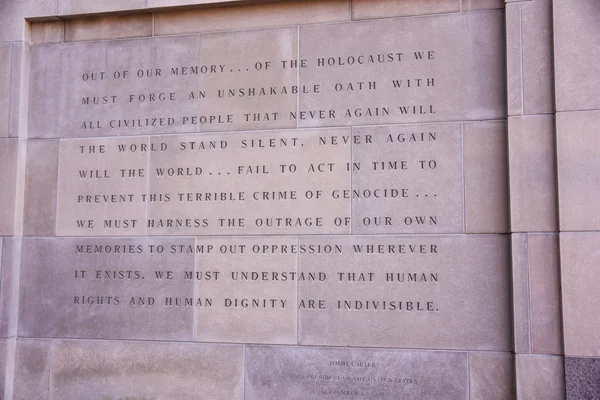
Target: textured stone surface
<point>514,59</point>
<point>578,144</point>
<point>32,369</point>
<point>64,78</point>
<point>244,56</point>
<point>13,24</point>
<point>61,304</point>
<point>468,307</point>
<point>260,308</point>
<point>299,373</point>
<point>520,293</point>
<point>125,370</point>
<point>581,375</point>
<point>5,61</point>
<point>235,64</point>
<point>491,376</point>
<point>576,86</point>
<point>40,188</point>
<point>422,164</point>
<point>1,262</point>
<point>533,192</point>
<point>367,9</point>
<point>474,5</point>
<point>9,247</point>
<point>8,173</point>
<point>82,7</point>
<point>474,287</point>
<point>579,260</point>
<point>250,16</point>
<point>544,273</point>
<point>118,27</point>
<point>3,351</point>
<point>249,168</point>
<point>538,57</point>
<point>193,3</point>
<point>486,180</point>
<point>47,32</point>
<point>540,377</point>
<point>468,80</point>
<point>19,89</point>
<point>88,181</point>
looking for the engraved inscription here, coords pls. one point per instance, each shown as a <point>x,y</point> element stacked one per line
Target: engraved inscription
<point>394,179</point>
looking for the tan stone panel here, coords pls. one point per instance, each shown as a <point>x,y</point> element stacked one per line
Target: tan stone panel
<point>5,62</point>
<point>41,177</point>
<point>578,146</point>
<point>13,24</point>
<point>98,370</point>
<point>105,288</point>
<point>8,248</point>
<point>491,376</point>
<point>113,27</point>
<point>102,185</point>
<point>532,164</point>
<point>576,88</point>
<point>447,291</point>
<point>32,369</point>
<point>80,88</point>
<point>520,293</point>
<point>475,5</point>
<point>81,7</point>
<point>252,89</point>
<point>251,284</point>
<point>514,59</point>
<point>540,377</point>
<point>248,16</point>
<point>544,272</point>
<point>19,89</point>
<point>486,177</point>
<point>407,179</point>
<point>158,4</point>
<point>298,373</point>
<point>237,187</point>
<point>437,72</point>
<point>367,9</point>
<point>3,356</point>
<point>8,175</point>
<point>538,57</point>
<point>47,32</point>
<point>579,260</point>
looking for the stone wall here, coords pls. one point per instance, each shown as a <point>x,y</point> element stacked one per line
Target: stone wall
<point>503,158</point>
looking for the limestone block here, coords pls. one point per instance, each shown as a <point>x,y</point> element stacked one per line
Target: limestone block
<point>540,377</point>
<point>578,144</point>
<point>106,288</point>
<point>532,165</point>
<point>248,16</point>
<point>297,373</point>
<point>98,370</point>
<point>579,258</point>
<point>407,291</point>
<point>491,376</point>
<point>486,177</point>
